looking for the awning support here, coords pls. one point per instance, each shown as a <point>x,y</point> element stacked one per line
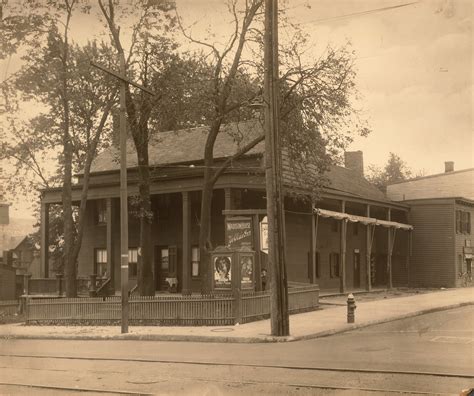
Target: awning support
<point>362,219</point>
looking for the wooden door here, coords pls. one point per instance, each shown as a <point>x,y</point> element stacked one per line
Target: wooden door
<point>356,269</point>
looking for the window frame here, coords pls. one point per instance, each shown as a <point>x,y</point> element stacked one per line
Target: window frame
<point>99,263</point>
<point>197,261</point>
<point>132,265</point>
<point>100,215</point>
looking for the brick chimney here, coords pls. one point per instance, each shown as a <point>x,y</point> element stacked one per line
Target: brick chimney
<point>354,160</point>
<point>449,166</point>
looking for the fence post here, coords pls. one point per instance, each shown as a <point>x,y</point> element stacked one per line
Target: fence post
<point>27,309</point>
<point>237,306</point>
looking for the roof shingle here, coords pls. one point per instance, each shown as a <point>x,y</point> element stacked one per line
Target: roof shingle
<point>187,146</point>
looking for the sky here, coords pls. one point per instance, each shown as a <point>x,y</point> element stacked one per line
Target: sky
<point>414,67</point>
<point>414,64</point>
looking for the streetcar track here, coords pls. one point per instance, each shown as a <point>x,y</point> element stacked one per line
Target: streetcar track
<point>229,364</point>
<point>66,388</point>
<point>246,382</point>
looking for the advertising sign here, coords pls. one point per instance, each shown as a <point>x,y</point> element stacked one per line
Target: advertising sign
<point>264,235</point>
<point>222,271</point>
<point>239,232</point>
<point>246,271</point>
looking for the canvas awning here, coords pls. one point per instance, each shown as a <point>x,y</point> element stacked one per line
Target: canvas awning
<point>361,219</point>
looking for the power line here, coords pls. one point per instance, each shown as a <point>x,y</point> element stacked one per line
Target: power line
<point>361,13</point>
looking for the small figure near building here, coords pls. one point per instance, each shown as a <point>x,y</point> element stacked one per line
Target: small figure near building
<point>263,277</point>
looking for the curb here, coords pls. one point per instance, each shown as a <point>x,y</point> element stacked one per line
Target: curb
<point>327,333</point>
<point>235,340</point>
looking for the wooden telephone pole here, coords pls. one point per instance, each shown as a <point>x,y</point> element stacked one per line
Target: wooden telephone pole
<point>280,325</point>
<point>123,185</point>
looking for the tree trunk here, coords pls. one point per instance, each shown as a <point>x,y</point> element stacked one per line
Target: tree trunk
<point>205,245</point>
<point>70,267</point>
<point>145,268</point>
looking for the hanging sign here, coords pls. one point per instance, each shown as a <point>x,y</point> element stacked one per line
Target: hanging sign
<point>238,231</point>
<point>264,235</point>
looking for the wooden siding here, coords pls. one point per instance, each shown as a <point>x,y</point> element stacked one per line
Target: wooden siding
<point>7,283</point>
<point>298,242</point>
<point>460,242</point>
<point>433,245</point>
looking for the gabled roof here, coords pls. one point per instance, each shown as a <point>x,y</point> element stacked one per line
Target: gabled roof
<point>184,146</point>
<point>187,146</point>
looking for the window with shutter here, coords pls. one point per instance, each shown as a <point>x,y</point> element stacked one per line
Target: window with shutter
<point>458,222</point>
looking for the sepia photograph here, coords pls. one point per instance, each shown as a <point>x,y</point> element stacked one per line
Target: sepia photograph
<point>236,197</point>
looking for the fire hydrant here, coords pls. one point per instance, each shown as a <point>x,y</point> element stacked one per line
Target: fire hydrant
<point>351,306</point>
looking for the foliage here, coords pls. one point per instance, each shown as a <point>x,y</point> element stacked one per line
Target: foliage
<point>74,106</point>
<point>395,170</point>
<point>318,115</point>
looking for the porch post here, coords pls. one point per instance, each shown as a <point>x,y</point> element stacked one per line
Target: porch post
<point>110,260</point>
<point>409,252</point>
<point>389,251</point>
<point>342,274</point>
<point>44,230</point>
<point>368,248</point>
<point>227,206</point>
<point>312,253</point>
<point>185,280</point>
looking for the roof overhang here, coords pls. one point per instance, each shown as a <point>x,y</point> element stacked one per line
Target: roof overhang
<point>361,219</point>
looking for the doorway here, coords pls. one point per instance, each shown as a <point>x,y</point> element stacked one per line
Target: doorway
<point>356,269</point>
<point>165,266</point>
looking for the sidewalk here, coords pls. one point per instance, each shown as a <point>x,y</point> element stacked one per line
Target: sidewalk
<point>329,320</point>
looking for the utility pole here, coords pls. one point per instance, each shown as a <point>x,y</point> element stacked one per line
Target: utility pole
<point>275,199</point>
<point>123,185</point>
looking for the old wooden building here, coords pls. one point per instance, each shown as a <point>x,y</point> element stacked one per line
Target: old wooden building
<point>441,209</point>
<point>353,238</point>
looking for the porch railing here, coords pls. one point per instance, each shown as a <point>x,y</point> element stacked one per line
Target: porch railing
<point>177,310</point>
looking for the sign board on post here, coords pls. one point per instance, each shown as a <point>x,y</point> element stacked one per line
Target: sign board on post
<point>246,265</point>
<point>238,231</point>
<point>264,235</point>
<point>222,266</point>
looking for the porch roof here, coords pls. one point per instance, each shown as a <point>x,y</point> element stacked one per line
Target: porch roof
<point>361,219</point>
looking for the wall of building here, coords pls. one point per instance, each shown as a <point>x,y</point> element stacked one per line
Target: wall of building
<point>463,240</point>
<point>432,261</point>
<point>7,283</point>
<point>167,230</point>
<point>298,242</point>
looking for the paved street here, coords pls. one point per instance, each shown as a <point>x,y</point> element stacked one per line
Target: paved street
<point>437,346</point>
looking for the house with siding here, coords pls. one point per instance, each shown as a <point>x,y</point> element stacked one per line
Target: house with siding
<point>354,237</point>
<point>441,211</point>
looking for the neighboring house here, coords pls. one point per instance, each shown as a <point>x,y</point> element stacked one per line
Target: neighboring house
<point>25,258</point>
<point>349,239</point>
<point>7,282</point>
<point>449,184</point>
<point>441,211</point>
